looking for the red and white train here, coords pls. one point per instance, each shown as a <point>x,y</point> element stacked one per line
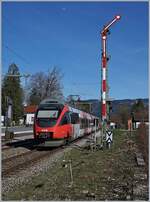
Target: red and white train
<point>56,123</point>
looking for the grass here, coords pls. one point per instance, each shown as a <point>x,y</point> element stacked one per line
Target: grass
<point>99,175</point>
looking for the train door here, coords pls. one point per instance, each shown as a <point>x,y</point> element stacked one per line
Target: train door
<point>75,124</point>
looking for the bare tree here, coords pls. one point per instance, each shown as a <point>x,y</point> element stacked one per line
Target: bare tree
<point>53,86</point>
<point>44,86</point>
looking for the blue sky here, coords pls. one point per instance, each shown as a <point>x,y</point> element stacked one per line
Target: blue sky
<point>40,35</point>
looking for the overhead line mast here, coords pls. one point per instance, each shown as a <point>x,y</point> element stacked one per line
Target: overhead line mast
<point>104,86</point>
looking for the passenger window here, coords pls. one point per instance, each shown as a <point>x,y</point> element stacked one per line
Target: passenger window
<point>74,118</point>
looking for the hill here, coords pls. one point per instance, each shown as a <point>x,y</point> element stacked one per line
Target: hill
<point>96,107</point>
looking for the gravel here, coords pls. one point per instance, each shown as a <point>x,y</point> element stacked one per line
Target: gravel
<point>25,176</point>
<point>7,153</point>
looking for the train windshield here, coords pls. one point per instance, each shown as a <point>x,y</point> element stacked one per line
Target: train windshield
<point>47,118</point>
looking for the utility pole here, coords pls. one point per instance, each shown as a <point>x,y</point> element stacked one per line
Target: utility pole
<point>104,86</point>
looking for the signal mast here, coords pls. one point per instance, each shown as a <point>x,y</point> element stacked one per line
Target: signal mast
<point>104,86</point>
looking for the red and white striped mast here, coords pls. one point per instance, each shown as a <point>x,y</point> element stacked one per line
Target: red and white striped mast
<point>104,88</point>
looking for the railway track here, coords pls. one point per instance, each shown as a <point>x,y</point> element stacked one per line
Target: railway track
<point>19,143</point>
<point>6,148</point>
<point>16,163</point>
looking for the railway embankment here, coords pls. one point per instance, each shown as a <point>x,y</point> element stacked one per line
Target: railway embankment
<point>83,173</point>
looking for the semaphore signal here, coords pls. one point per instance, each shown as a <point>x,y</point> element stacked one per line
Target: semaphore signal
<point>104,86</point>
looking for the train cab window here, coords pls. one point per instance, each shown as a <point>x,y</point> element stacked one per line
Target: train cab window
<point>65,119</point>
<point>47,117</point>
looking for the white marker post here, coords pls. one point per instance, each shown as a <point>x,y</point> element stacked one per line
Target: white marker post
<point>109,138</point>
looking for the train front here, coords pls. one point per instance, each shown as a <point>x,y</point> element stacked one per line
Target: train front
<point>45,123</point>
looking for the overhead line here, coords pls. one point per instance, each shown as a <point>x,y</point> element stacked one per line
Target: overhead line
<point>15,53</point>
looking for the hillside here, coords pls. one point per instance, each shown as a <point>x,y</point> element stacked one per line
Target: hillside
<point>96,108</point>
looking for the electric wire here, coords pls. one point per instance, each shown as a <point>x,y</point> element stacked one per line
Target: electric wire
<point>15,53</point>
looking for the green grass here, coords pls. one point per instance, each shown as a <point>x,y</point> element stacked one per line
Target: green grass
<point>99,175</point>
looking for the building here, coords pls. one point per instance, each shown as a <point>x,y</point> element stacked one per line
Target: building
<point>29,112</point>
<point>139,118</point>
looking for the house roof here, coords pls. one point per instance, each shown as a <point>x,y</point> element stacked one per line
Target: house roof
<point>30,109</point>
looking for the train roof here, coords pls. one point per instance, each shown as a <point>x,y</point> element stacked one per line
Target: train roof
<point>51,103</point>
